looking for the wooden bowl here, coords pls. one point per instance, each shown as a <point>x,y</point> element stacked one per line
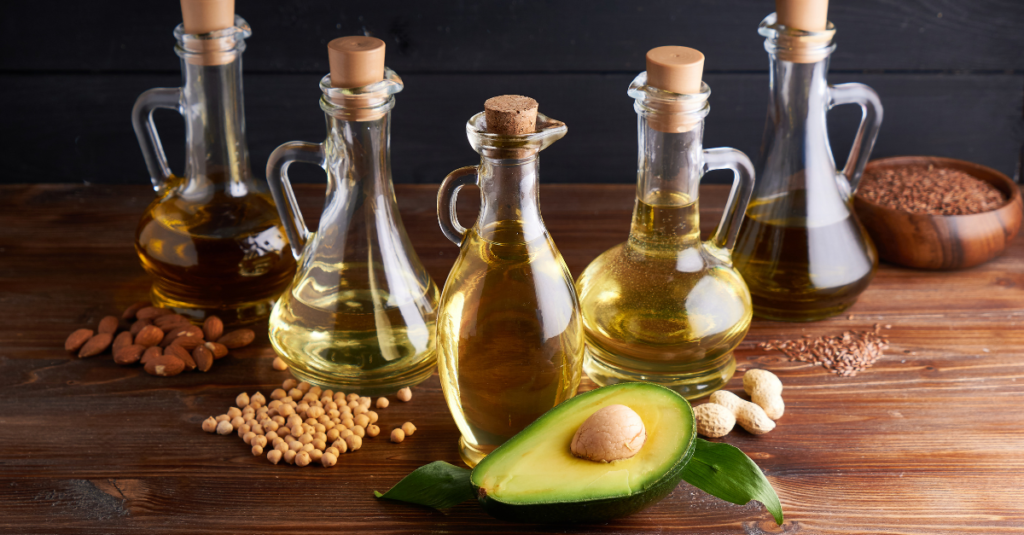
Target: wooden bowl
<point>927,241</point>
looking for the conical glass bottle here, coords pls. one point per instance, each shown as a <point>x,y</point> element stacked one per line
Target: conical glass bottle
<point>360,313</point>
<point>801,249</point>
<point>211,240</point>
<point>510,337</point>
<point>666,307</point>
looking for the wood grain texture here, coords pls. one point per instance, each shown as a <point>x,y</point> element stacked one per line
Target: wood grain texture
<point>927,441</point>
<point>971,117</point>
<point>928,241</point>
<point>489,36</point>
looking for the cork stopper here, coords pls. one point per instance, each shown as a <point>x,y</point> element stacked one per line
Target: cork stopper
<point>356,61</point>
<point>677,69</point>
<point>205,16</point>
<point>806,15</point>
<point>511,115</point>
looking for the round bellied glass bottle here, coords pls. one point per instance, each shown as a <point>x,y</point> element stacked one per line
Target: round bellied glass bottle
<point>664,306</point>
<point>212,239</point>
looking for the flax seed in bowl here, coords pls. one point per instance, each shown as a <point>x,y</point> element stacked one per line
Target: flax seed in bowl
<point>937,213</point>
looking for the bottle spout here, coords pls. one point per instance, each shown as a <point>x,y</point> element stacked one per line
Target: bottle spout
<point>359,86</point>
<point>210,33</point>
<point>511,127</point>
<point>671,93</point>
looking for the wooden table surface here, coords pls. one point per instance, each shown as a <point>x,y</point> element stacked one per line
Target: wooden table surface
<point>929,440</point>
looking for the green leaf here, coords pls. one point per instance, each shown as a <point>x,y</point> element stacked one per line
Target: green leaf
<point>438,485</point>
<point>724,471</point>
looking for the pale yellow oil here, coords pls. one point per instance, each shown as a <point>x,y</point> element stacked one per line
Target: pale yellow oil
<point>510,338</point>
<point>664,307</point>
<point>337,327</point>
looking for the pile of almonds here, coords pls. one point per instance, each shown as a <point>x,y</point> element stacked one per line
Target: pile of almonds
<point>300,421</point>
<point>164,342</point>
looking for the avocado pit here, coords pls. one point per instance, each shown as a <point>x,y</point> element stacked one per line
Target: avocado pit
<point>612,433</point>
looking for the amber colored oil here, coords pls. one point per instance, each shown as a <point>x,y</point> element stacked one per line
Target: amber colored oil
<point>510,338</point>
<point>802,270</point>
<point>661,307</point>
<point>337,328</point>
<point>211,253</point>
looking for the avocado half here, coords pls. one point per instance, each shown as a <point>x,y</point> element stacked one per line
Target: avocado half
<point>534,477</point>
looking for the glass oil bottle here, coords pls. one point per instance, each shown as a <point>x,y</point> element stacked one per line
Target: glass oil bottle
<point>211,240</point>
<point>665,307</point>
<point>510,337</point>
<point>360,313</point>
<point>801,249</point>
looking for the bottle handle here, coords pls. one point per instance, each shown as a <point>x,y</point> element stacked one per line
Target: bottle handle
<point>870,121</point>
<point>739,196</point>
<point>446,197</point>
<point>145,129</point>
<point>281,188</point>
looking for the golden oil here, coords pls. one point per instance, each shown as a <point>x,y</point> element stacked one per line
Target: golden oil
<point>339,328</point>
<point>802,268</point>
<point>663,306</point>
<point>510,338</point>
<point>213,253</point>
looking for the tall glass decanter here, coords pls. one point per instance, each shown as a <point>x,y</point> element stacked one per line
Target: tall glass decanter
<point>664,306</point>
<point>360,313</point>
<point>510,339</point>
<point>212,239</point>
<point>801,249</point>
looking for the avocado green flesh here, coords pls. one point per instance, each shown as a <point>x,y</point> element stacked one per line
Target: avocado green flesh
<point>535,477</point>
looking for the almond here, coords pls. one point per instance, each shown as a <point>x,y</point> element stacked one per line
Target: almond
<point>129,354</point>
<point>122,340</point>
<point>138,325</point>
<point>188,341</point>
<point>96,345</point>
<point>77,339</point>
<point>183,354</point>
<point>148,313</point>
<point>184,330</point>
<point>129,313</point>
<point>170,321</point>
<point>149,336</point>
<point>108,325</point>
<point>151,353</point>
<point>203,357</point>
<point>236,339</point>
<point>219,350</point>
<point>165,366</point>
<point>213,328</point>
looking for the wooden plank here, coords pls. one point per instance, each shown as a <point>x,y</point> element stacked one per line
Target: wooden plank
<point>927,441</point>
<point>973,117</point>
<point>568,36</point>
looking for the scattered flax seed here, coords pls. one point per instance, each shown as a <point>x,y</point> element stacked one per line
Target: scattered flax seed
<point>920,189</point>
<point>844,355</point>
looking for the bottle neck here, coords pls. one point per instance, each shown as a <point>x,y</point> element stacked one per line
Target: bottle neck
<point>510,198</point>
<point>669,168</point>
<point>359,158</point>
<point>216,153</point>
<point>799,96</point>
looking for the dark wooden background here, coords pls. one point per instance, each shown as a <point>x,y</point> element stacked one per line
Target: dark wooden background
<point>950,74</point>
